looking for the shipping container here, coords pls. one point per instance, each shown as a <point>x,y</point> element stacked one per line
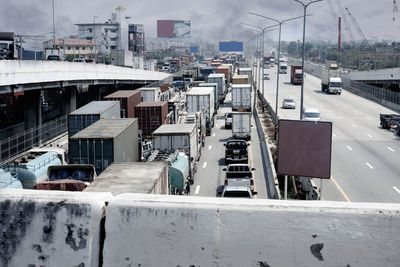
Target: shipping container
<point>202,98</point>
<point>231,68</point>
<point>225,70</point>
<point>206,71</point>
<point>220,79</point>
<point>241,97</point>
<point>132,177</point>
<point>150,94</point>
<point>122,58</point>
<point>240,79</point>
<point>151,115</point>
<point>215,85</point>
<point>105,142</point>
<point>128,99</point>
<point>90,113</point>
<point>241,125</point>
<point>248,72</point>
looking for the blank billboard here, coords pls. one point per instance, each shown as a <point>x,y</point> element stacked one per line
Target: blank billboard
<point>304,148</point>
<point>173,28</point>
<point>231,46</point>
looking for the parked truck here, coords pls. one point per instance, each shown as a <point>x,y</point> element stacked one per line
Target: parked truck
<point>220,79</point>
<point>241,97</point>
<point>241,125</point>
<point>295,74</point>
<point>8,48</point>
<point>331,82</point>
<point>202,98</point>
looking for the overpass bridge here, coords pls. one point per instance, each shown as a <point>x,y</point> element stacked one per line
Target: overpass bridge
<point>32,77</point>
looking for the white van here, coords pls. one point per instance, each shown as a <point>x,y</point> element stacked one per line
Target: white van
<point>311,114</point>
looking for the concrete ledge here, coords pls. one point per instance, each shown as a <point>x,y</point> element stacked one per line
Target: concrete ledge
<point>50,228</point>
<point>151,230</point>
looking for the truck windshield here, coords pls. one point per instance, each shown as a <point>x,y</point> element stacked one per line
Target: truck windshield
<point>3,45</point>
<point>283,67</point>
<point>298,75</point>
<point>335,84</point>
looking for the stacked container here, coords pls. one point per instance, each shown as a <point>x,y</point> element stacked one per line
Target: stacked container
<point>128,99</point>
<point>220,79</point>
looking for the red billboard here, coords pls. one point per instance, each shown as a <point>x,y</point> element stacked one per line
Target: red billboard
<point>173,28</point>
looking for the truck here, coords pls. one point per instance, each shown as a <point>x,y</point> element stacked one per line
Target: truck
<point>240,79</point>
<point>241,125</point>
<point>215,85</point>
<point>199,119</point>
<point>248,72</point>
<point>222,90</point>
<point>283,68</point>
<point>241,97</point>
<point>8,48</point>
<point>199,98</point>
<point>54,54</point>
<point>331,82</point>
<point>389,121</point>
<point>296,73</point>
<point>225,70</point>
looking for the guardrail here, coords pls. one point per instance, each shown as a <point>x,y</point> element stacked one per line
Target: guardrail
<point>16,145</point>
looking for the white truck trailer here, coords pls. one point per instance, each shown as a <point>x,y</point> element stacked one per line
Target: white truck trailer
<point>241,125</point>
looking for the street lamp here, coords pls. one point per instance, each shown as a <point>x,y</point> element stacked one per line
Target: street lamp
<point>258,47</point>
<point>280,22</point>
<point>304,52</point>
<point>262,53</point>
<point>94,38</point>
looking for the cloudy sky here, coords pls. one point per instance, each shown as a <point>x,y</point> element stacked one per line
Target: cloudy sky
<point>212,20</point>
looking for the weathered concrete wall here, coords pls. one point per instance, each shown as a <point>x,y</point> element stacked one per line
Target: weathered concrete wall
<point>50,228</point>
<point>23,72</point>
<point>143,230</point>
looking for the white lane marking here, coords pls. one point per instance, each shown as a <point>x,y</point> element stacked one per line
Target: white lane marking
<point>204,164</point>
<point>368,118</point>
<point>213,134</point>
<point>397,190</point>
<point>369,165</point>
<point>391,149</point>
<point>209,147</point>
<point>370,136</point>
<point>340,118</point>
<point>349,147</point>
<point>197,190</point>
<point>354,125</point>
<point>334,135</point>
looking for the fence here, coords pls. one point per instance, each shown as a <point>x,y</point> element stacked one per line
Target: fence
<point>22,142</point>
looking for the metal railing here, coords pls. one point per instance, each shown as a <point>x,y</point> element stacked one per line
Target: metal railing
<point>14,146</point>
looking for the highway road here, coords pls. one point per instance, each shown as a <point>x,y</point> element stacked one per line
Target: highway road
<point>210,175</point>
<point>365,157</point>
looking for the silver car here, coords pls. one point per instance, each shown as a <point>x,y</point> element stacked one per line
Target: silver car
<point>288,103</point>
<point>237,191</point>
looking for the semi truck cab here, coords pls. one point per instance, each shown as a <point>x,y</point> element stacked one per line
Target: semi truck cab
<point>335,85</point>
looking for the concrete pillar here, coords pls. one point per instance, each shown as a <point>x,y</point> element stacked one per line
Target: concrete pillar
<point>69,99</point>
<point>94,93</point>
<point>32,109</point>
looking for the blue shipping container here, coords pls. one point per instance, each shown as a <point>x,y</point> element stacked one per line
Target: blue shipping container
<point>231,46</point>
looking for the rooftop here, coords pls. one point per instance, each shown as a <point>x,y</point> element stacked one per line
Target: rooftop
<point>94,107</point>
<point>105,128</point>
<point>175,129</point>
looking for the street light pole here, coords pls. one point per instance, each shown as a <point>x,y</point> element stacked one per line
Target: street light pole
<point>280,22</point>
<point>54,27</point>
<point>304,52</point>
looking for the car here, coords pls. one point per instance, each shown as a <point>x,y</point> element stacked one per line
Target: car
<point>239,175</point>
<point>53,58</point>
<point>288,103</point>
<point>266,76</point>
<point>236,151</point>
<point>311,114</point>
<point>228,120</point>
<point>78,60</point>
<point>237,191</point>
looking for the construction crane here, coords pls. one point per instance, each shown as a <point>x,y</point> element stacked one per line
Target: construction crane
<point>357,27</point>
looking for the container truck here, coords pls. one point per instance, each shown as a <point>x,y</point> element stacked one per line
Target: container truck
<point>295,74</point>
<point>240,79</point>
<point>222,90</point>
<point>104,142</point>
<point>128,99</point>
<point>90,113</point>
<point>225,70</point>
<point>248,72</point>
<point>199,119</point>
<point>132,177</point>
<point>241,97</point>
<point>215,85</point>
<point>151,115</point>
<point>241,125</point>
<point>150,94</point>
<point>8,48</point>
<point>331,82</point>
<point>182,137</point>
<point>283,67</point>
<point>202,98</point>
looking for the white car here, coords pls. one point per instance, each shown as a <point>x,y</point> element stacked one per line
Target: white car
<point>237,191</point>
<point>288,103</point>
<point>311,114</point>
<point>266,76</point>
<point>228,120</point>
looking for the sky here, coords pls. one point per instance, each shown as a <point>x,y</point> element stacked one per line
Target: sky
<point>211,20</point>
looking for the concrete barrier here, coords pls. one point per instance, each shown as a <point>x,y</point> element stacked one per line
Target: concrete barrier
<point>50,228</point>
<point>151,230</point>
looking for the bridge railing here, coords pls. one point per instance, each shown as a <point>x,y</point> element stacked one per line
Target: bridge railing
<point>15,145</point>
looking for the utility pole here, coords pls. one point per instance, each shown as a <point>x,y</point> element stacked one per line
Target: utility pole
<point>54,27</point>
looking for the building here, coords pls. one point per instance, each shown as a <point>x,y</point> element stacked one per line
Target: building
<point>136,38</point>
<point>74,48</point>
